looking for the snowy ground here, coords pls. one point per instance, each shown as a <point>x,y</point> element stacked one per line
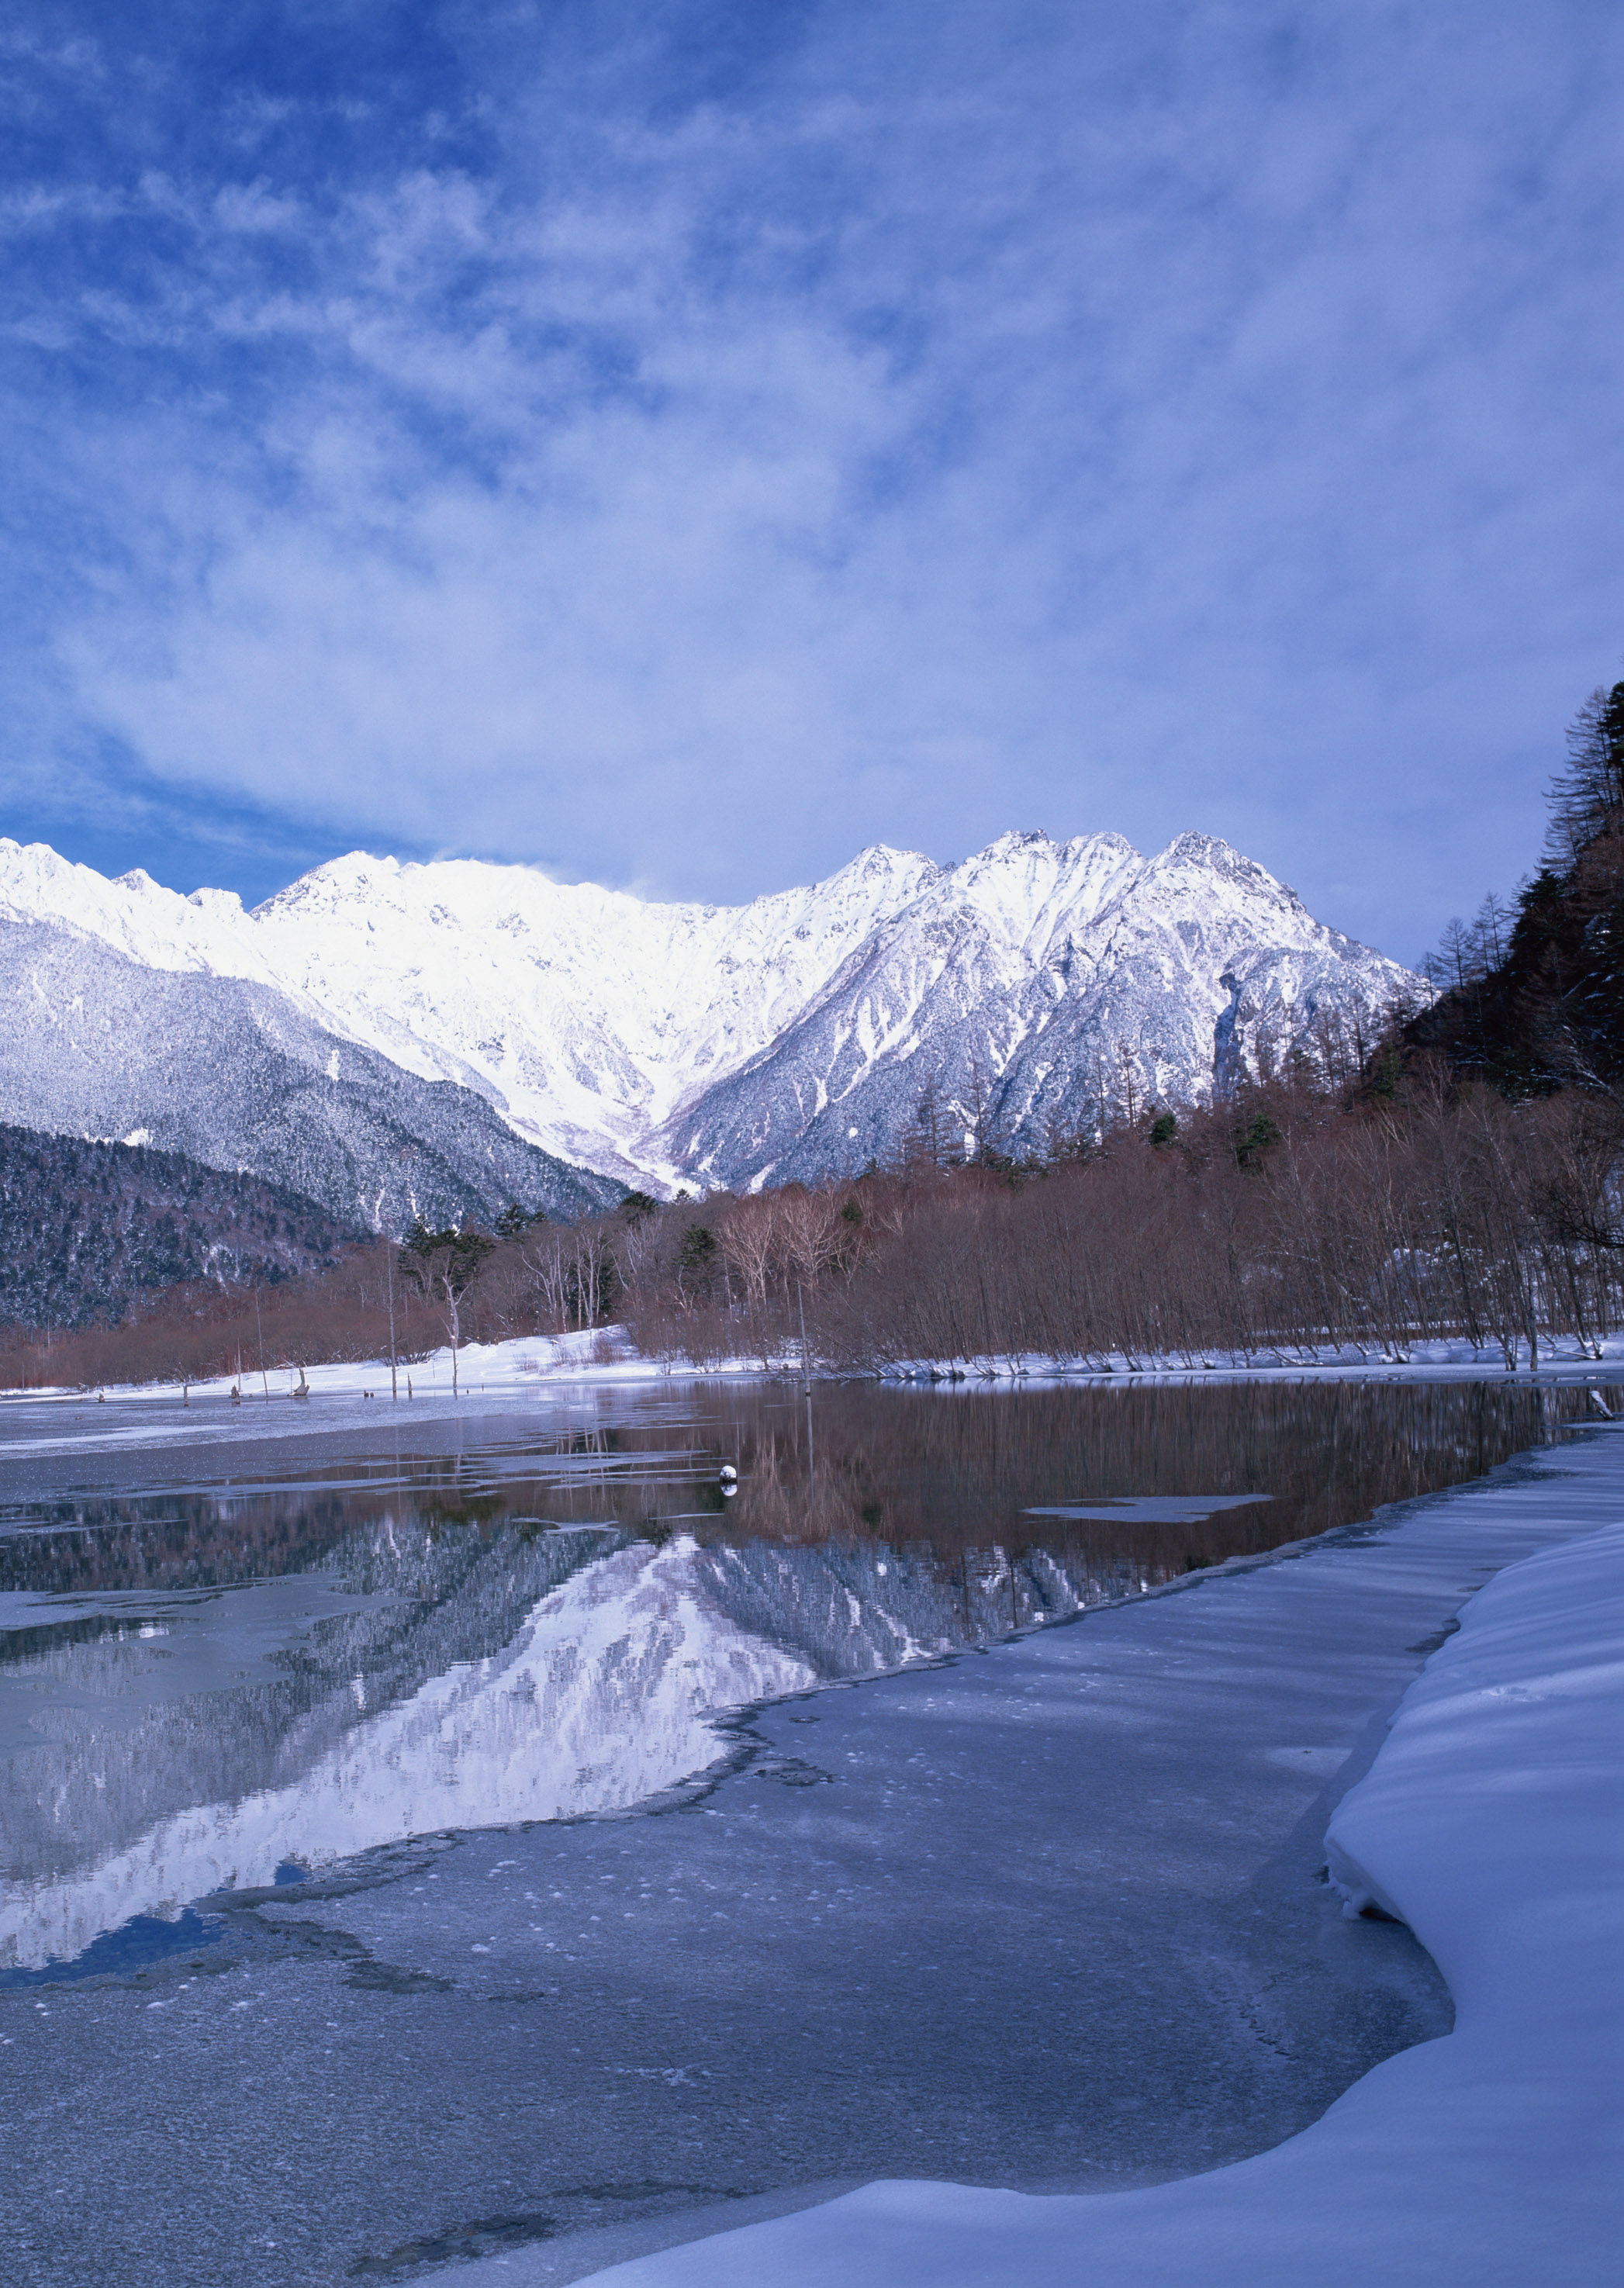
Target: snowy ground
<point>521,1362</point>
<point>1491,1823</point>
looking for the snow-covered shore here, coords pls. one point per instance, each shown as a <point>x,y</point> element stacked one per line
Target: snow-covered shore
<point>1493,1822</point>
<point>498,1373</point>
<point>519,1362</point>
<point>1453,1357</point>
<point>491,1377</point>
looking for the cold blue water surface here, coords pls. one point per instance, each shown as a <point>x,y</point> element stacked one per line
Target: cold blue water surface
<point>188,1627</point>
<point>383,1871</point>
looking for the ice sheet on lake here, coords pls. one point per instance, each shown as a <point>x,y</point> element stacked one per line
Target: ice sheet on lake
<point>605,1697</point>
<point>1158,1509</point>
<point>1493,1822</point>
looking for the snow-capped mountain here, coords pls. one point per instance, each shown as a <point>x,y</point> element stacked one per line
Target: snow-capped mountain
<point>792,1036</point>
<point>242,1077</point>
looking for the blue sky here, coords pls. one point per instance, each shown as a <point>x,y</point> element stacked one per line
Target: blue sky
<point>678,445</point>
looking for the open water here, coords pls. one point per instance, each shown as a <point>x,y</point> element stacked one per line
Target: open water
<point>186,1630</point>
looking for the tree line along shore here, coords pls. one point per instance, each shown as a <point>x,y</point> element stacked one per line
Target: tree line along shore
<point>1283,1224</point>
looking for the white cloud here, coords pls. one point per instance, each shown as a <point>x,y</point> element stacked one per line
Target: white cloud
<point>975,419</point>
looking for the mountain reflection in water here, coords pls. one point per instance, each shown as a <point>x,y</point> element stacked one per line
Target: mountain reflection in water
<point>197,1686</point>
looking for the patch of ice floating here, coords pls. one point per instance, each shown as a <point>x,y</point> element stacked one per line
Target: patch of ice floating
<point>1492,1823</point>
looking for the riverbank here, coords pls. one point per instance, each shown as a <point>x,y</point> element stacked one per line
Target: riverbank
<point>501,1373</point>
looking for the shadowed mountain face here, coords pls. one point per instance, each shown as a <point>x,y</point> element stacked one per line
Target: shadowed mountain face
<point>236,1076</point>
<point>1015,995</point>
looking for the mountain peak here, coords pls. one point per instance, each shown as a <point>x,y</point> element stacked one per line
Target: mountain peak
<point>881,862</point>
<point>1014,838</point>
<point>1192,848</point>
<point>673,1043</point>
<point>1210,853</point>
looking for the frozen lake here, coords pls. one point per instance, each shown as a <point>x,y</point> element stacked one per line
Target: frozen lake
<point>377,1889</point>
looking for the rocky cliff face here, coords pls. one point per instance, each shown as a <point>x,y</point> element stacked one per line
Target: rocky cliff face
<point>793,1036</point>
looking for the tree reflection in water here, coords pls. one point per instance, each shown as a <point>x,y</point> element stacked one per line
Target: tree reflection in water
<point>946,1476</point>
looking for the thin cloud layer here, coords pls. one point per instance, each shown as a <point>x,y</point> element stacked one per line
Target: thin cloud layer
<point>680,446</point>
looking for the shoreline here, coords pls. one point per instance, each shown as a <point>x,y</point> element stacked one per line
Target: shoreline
<point>521,1365</point>
<point>1486,2158</point>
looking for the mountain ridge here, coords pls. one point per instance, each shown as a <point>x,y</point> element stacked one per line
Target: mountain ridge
<point>794,1036</point>
<point>239,1077</point>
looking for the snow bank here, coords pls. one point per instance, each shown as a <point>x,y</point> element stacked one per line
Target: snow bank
<point>1429,1359</point>
<point>1493,1822</point>
<point>484,1370</point>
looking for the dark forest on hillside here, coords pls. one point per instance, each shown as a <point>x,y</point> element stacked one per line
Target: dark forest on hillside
<point>89,1230</point>
<point>1531,997</point>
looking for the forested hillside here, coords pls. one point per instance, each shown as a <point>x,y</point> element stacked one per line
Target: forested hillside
<point>86,1230</point>
<point>1533,995</point>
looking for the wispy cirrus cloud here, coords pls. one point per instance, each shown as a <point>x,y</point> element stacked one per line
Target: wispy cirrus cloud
<point>680,446</point>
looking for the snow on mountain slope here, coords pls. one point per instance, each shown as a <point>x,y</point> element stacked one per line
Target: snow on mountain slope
<point>593,1012</point>
<point>1027,991</point>
<point>794,1036</point>
<point>236,1076</point>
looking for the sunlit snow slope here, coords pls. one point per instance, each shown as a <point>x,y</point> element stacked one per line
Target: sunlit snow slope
<point>793,1036</point>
